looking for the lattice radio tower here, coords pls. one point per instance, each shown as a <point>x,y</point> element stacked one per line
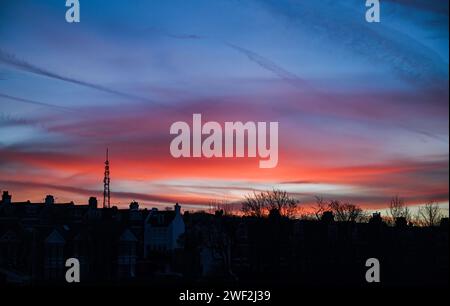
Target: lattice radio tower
<point>106,179</point>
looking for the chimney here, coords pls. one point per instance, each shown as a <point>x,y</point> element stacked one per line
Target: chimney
<point>401,222</point>
<point>376,218</point>
<point>327,217</point>
<point>92,202</point>
<point>6,198</point>
<point>134,206</point>
<point>177,209</point>
<point>49,200</point>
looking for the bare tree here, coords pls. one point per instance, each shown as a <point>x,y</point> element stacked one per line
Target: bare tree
<point>259,204</point>
<point>255,205</point>
<point>281,201</point>
<point>398,209</point>
<point>320,207</point>
<point>346,211</point>
<point>221,206</point>
<point>429,214</point>
<point>342,211</point>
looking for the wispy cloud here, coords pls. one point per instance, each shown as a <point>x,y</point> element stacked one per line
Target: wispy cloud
<point>406,55</point>
<point>23,65</point>
<point>269,65</point>
<point>8,120</point>
<point>186,36</point>
<point>125,196</point>
<point>34,102</point>
<point>427,5</point>
<point>251,55</point>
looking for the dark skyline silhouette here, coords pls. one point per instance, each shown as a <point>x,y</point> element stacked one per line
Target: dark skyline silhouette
<point>169,248</point>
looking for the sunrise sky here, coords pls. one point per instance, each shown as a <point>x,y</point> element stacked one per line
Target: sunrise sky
<point>362,108</point>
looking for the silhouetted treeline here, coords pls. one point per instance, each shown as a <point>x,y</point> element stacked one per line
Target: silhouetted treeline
<point>280,250</point>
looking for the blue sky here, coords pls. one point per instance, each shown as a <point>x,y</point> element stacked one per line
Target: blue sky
<point>349,96</point>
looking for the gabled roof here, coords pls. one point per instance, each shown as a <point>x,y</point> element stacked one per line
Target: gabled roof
<point>8,236</point>
<point>127,235</point>
<point>55,238</point>
<point>160,218</point>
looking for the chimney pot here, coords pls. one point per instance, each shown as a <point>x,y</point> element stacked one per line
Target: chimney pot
<point>177,209</point>
<point>6,197</point>
<point>49,200</point>
<point>92,202</point>
<point>134,205</point>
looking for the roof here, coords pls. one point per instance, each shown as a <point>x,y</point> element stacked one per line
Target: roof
<point>127,235</point>
<point>55,238</point>
<point>161,218</point>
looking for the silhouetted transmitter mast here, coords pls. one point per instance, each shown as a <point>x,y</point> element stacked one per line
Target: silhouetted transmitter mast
<point>106,179</point>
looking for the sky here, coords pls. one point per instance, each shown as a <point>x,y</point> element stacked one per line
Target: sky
<point>362,107</point>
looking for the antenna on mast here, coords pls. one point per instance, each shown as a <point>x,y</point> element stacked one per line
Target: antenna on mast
<point>106,180</point>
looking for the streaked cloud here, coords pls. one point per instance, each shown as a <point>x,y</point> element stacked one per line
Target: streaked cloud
<point>12,60</point>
